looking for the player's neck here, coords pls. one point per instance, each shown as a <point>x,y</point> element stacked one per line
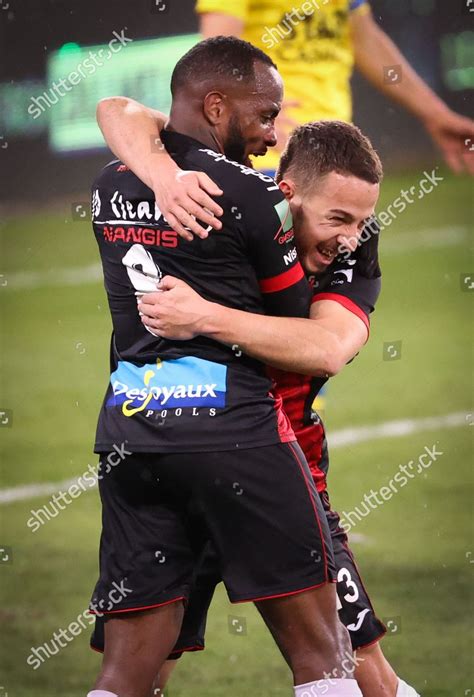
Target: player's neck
<point>185,122</point>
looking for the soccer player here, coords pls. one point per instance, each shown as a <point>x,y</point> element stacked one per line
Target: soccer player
<point>207,443</point>
<point>345,291</point>
<point>315,45</point>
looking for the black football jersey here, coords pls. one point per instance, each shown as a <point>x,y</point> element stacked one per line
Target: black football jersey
<point>166,396</point>
<point>355,283</point>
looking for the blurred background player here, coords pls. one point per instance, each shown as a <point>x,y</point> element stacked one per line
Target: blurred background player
<point>315,45</point>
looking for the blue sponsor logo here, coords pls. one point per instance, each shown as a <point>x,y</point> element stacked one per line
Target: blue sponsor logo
<point>184,382</point>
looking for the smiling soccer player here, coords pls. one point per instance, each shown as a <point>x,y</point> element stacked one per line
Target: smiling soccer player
<point>329,173</point>
<point>273,540</point>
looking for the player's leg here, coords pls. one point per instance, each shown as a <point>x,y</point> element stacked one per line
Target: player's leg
<point>136,645</point>
<point>376,677</point>
<point>374,674</point>
<point>163,677</point>
<point>309,634</point>
<point>269,528</point>
<point>146,565</point>
<point>193,629</point>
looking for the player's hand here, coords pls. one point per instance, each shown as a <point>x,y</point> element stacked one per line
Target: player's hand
<point>177,312</point>
<point>285,124</point>
<point>454,135</point>
<point>182,196</point>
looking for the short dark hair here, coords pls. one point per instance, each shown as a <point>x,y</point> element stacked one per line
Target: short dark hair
<point>320,147</point>
<point>218,57</point>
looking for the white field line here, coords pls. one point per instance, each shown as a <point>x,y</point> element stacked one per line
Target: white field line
<point>30,280</point>
<point>338,439</point>
<point>429,238</point>
<point>395,429</point>
<point>396,243</point>
<point>32,491</point>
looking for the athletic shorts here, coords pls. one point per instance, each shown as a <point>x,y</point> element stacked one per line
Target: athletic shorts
<point>258,507</point>
<point>355,607</point>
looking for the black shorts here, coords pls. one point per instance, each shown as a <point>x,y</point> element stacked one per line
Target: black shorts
<point>355,607</point>
<point>193,630</point>
<point>259,508</point>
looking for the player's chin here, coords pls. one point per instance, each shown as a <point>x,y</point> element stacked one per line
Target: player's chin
<point>311,264</point>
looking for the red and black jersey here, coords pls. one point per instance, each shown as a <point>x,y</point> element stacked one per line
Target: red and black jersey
<point>355,283</point>
<point>175,396</point>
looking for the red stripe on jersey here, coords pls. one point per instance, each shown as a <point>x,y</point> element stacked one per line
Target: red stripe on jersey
<point>311,439</point>
<point>283,280</point>
<point>293,389</point>
<point>345,302</point>
<point>285,430</point>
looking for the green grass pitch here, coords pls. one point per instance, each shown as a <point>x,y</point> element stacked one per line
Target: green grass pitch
<point>416,551</point>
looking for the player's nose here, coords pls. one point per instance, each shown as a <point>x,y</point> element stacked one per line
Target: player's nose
<point>271,138</point>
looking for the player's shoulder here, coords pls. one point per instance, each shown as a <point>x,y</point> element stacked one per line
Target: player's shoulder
<point>341,273</point>
<point>353,271</point>
<point>116,175</point>
<point>119,195</point>
<point>239,182</point>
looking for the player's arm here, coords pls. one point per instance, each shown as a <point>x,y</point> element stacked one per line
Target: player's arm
<point>375,53</point>
<point>263,227</point>
<point>132,132</point>
<point>321,345</point>
<point>337,329</point>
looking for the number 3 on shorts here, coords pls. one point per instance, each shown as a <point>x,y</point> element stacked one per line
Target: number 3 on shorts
<point>344,575</point>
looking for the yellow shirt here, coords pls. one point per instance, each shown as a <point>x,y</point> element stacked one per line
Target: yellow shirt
<point>311,44</point>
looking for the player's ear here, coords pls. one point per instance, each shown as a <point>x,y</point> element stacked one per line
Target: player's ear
<point>287,187</point>
<point>215,107</point>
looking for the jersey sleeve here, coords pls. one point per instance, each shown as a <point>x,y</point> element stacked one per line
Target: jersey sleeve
<point>236,8</point>
<point>282,282</point>
<point>352,282</point>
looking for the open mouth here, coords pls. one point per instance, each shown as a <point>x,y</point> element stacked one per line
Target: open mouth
<point>326,254</point>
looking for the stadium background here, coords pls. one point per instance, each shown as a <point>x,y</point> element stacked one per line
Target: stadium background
<point>416,551</point>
